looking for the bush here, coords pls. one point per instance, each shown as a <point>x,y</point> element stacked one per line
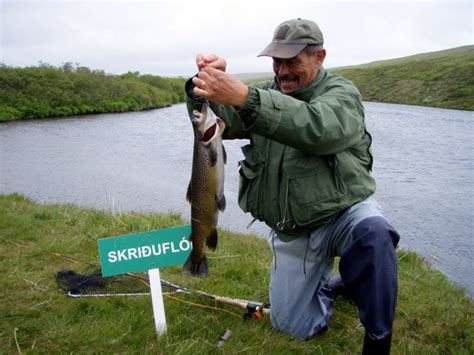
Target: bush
<point>8,113</point>
<point>45,91</point>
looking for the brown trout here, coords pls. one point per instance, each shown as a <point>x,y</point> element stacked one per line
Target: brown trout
<point>206,188</point>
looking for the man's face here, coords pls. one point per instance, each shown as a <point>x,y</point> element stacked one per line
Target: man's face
<point>297,72</point>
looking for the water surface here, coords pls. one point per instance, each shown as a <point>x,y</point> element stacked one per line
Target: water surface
<point>141,161</point>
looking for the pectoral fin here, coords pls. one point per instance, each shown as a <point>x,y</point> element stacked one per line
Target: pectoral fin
<point>188,193</point>
<point>221,202</point>
<point>224,153</point>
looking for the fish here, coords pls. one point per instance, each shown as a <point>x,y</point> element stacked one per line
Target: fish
<point>206,189</point>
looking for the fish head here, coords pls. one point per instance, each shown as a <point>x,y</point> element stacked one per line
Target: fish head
<point>207,126</point>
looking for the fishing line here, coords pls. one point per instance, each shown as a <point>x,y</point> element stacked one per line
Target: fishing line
<point>205,306</point>
<point>256,309</point>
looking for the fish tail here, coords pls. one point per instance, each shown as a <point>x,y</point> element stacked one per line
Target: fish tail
<point>194,268</point>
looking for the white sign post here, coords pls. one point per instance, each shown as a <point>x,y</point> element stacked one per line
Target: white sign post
<point>157,301</point>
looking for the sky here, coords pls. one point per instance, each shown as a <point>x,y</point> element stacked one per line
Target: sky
<point>162,37</point>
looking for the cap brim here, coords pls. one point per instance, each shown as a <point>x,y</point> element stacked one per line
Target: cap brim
<point>282,50</point>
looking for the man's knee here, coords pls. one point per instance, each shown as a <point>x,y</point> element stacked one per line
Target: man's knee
<point>375,231</point>
<point>372,250</point>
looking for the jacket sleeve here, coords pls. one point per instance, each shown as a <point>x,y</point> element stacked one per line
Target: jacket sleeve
<point>329,123</point>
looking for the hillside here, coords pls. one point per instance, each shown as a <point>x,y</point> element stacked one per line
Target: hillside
<point>442,79</point>
<point>416,57</point>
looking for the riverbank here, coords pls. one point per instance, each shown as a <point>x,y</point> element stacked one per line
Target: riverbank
<point>47,91</point>
<point>442,79</point>
<point>433,315</point>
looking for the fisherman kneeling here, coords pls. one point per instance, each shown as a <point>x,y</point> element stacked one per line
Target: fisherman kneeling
<point>306,174</point>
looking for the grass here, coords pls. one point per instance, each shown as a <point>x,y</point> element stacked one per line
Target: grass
<point>443,79</point>
<point>433,316</point>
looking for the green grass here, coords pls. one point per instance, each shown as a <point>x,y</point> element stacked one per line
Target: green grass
<point>443,79</point>
<point>433,316</point>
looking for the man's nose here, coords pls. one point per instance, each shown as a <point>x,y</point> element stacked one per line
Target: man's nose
<point>282,69</point>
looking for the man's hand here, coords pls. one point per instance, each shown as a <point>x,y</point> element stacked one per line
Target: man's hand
<point>214,84</point>
<point>211,60</point>
<point>220,87</point>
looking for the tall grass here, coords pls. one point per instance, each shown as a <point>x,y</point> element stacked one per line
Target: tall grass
<point>37,241</point>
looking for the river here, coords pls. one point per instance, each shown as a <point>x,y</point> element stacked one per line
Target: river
<point>141,161</point>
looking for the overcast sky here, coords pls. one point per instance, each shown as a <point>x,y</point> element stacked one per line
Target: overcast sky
<point>163,37</point>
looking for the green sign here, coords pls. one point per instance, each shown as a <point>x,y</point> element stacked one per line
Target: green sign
<point>144,251</point>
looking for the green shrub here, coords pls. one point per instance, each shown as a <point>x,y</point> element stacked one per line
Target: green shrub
<point>45,91</point>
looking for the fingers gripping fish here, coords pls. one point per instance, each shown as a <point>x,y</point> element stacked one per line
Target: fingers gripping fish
<point>206,188</point>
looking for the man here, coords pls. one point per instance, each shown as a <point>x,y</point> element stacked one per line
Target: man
<point>306,173</point>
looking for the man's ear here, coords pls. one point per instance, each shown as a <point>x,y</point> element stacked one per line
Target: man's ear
<point>320,55</point>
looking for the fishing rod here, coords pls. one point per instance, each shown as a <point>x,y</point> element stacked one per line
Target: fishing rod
<point>252,308</point>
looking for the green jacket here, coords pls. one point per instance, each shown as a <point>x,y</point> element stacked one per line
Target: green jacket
<point>309,154</point>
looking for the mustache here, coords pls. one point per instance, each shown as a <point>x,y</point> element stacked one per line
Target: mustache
<point>287,77</point>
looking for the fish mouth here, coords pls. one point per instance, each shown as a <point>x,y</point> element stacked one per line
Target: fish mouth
<point>210,133</point>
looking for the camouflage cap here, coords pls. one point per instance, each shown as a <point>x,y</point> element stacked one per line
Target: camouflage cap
<point>291,37</point>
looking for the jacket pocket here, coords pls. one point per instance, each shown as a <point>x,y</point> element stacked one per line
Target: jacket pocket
<point>249,182</point>
<point>314,191</point>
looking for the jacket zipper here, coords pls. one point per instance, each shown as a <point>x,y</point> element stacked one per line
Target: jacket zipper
<point>263,183</point>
